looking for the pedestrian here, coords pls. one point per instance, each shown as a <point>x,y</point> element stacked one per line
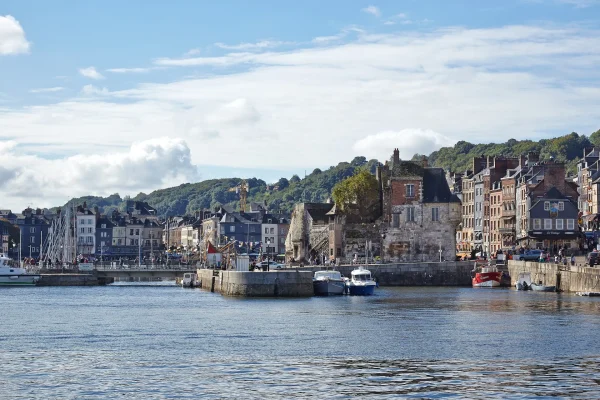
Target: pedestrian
<point>572,259</point>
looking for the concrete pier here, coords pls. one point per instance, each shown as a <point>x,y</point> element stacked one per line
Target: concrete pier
<point>569,279</point>
<point>280,283</point>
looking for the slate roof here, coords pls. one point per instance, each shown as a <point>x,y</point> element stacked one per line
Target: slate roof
<point>435,187</point>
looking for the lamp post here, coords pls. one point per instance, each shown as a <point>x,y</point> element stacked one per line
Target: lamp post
<point>267,243</point>
<point>440,250</point>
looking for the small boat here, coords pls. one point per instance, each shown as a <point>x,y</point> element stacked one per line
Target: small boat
<point>538,287</point>
<point>11,275</point>
<point>590,294</point>
<point>189,279</point>
<point>487,276</point>
<point>361,283</point>
<point>327,283</point>
<point>524,281</point>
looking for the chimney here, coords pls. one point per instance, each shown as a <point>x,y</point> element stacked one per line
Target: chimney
<point>96,210</point>
<point>396,159</point>
<point>522,160</point>
<point>424,162</point>
<point>533,157</point>
<point>85,205</point>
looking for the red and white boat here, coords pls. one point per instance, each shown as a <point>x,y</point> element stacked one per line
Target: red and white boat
<point>486,276</point>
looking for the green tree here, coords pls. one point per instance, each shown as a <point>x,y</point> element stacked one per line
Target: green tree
<point>295,179</point>
<point>357,195</point>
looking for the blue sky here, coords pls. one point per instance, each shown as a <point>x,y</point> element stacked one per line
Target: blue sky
<point>128,96</point>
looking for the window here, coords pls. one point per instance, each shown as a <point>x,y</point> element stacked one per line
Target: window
<point>137,231</point>
<point>137,242</point>
<point>89,230</point>
<point>119,242</point>
<point>546,206</point>
<point>559,225</point>
<point>102,244</point>
<point>266,230</point>
<point>31,230</point>
<point>80,240</point>
<point>131,242</point>
<point>435,214</point>
<point>410,190</point>
<point>131,232</point>
<point>103,226</point>
<point>561,206</point>
<point>272,232</point>
<point>547,224</point>
<point>81,230</point>
<point>395,220</point>
<point>232,228</point>
<point>90,239</point>
<point>32,239</point>
<point>570,224</point>
<point>89,221</point>
<point>103,234</point>
<point>410,214</point>
<point>537,224</point>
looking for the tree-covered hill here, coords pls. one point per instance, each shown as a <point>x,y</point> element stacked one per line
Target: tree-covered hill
<point>279,196</point>
<point>317,187</point>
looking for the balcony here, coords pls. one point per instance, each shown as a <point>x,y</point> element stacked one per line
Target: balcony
<point>507,229</point>
<point>509,213</point>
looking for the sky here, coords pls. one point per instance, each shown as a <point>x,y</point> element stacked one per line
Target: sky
<point>99,97</point>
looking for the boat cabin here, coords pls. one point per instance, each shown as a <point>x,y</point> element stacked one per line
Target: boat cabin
<point>361,274</point>
<point>323,275</point>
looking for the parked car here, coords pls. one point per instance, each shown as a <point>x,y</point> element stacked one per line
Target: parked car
<point>530,255</point>
<point>272,265</point>
<point>593,259</point>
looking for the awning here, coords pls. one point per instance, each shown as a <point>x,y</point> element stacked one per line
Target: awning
<point>590,217</point>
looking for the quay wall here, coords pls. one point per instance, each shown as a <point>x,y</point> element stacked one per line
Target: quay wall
<point>281,283</point>
<point>449,273</point>
<point>578,278</point>
<point>73,280</point>
<point>297,281</point>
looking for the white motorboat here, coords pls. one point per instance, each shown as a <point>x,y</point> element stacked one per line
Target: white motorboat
<point>361,283</point>
<point>327,283</point>
<point>523,281</point>
<point>13,275</point>
<point>190,280</point>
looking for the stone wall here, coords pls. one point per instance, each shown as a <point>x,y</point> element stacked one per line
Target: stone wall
<point>355,238</point>
<point>576,279</point>
<point>422,239</point>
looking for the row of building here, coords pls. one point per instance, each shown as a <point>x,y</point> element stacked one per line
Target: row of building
<point>138,231</point>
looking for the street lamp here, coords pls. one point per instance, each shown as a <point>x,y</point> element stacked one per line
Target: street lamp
<point>440,250</point>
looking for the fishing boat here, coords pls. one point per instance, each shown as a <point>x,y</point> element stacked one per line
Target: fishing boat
<point>327,283</point>
<point>361,283</point>
<point>538,287</point>
<point>12,275</point>
<point>486,276</point>
<point>523,281</point>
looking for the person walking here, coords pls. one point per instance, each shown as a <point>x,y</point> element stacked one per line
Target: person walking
<point>572,259</point>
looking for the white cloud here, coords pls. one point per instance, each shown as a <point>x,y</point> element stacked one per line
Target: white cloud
<point>129,70</point>
<point>580,3</point>
<point>408,141</point>
<point>263,44</point>
<point>372,10</point>
<point>310,106</point>
<point>91,90</point>
<point>192,52</point>
<point>239,111</point>
<point>90,72</point>
<point>47,90</point>
<point>12,36</point>
<point>146,165</point>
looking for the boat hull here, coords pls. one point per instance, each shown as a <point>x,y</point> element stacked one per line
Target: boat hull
<point>328,287</point>
<point>542,288</point>
<point>19,280</point>
<point>361,290</point>
<point>487,279</point>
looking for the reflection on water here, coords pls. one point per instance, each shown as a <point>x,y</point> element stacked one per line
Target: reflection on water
<point>168,342</point>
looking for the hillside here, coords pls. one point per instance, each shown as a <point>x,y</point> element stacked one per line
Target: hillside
<point>317,186</point>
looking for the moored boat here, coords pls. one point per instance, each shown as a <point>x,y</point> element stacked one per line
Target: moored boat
<point>12,275</point>
<point>189,280</point>
<point>538,287</point>
<point>361,283</point>
<point>327,283</point>
<point>487,277</point>
<point>523,281</point>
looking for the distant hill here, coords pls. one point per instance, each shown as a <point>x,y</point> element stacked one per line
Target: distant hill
<point>189,197</point>
<point>317,186</point>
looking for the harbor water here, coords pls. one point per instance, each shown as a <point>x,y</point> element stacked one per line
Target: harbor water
<point>161,342</point>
